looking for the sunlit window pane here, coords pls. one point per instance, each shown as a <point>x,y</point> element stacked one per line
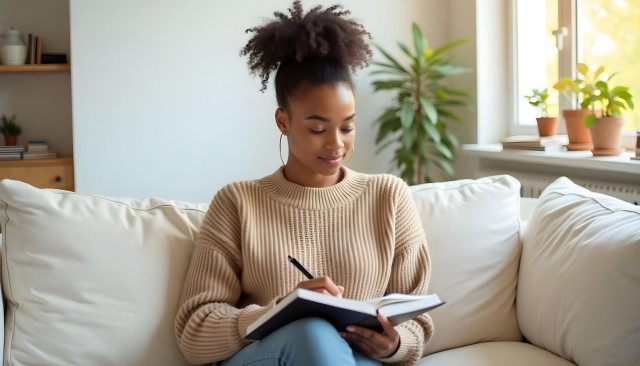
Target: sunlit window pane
<point>537,55</point>
<point>609,35</point>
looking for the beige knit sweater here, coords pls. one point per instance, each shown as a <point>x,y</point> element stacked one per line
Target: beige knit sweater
<point>364,233</point>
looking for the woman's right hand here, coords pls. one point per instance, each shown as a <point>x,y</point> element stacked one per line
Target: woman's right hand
<point>323,285</point>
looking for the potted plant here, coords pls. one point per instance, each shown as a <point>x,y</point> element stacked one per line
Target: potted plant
<point>606,130</point>
<point>547,126</point>
<point>572,89</point>
<point>417,121</point>
<point>10,130</point>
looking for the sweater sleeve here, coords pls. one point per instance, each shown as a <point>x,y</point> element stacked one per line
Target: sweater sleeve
<point>209,328</point>
<point>410,274</point>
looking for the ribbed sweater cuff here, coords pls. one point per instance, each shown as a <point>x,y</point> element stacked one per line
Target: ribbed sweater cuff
<point>250,314</point>
<point>408,347</point>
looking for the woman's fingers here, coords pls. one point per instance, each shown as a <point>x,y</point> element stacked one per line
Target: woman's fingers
<point>321,283</point>
<point>366,336</point>
<point>387,326</point>
<point>321,291</point>
<point>362,347</point>
<point>371,342</point>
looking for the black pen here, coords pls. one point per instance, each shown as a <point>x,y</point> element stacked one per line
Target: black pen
<point>300,267</point>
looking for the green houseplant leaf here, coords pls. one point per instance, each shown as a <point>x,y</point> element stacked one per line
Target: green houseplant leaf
<point>418,40</point>
<point>416,122</point>
<point>9,126</point>
<point>610,100</point>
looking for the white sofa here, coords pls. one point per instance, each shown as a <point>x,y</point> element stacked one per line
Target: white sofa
<point>555,281</point>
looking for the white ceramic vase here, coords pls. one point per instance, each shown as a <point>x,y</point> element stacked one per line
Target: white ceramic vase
<point>12,50</point>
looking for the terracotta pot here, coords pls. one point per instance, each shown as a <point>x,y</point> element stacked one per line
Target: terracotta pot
<point>606,134</point>
<point>547,126</point>
<point>576,131</point>
<point>10,140</point>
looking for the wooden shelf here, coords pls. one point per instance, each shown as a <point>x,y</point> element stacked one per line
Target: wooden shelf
<point>35,162</point>
<point>35,68</point>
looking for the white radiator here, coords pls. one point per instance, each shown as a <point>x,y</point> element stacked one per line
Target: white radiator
<point>534,184</point>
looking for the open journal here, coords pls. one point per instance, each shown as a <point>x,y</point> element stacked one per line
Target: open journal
<point>341,312</point>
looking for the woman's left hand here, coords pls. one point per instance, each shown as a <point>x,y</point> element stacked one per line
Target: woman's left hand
<point>372,343</point>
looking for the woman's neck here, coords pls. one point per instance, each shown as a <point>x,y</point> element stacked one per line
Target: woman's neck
<point>298,173</point>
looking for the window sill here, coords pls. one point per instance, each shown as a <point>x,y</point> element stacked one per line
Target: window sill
<point>573,159</point>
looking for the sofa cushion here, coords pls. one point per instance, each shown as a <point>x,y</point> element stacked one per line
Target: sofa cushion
<point>579,285</point>
<point>472,230</point>
<point>93,280</point>
<point>495,354</point>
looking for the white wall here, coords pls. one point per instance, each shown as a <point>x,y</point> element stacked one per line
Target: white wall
<point>493,93</point>
<point>41,101</point>
<point>164,106</point>
<point>462,25</point>
<point>485,23</point>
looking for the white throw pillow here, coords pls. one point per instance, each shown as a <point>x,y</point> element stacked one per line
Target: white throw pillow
<point>472,229</point>
<point>93,280</point>
<point>579,286</point>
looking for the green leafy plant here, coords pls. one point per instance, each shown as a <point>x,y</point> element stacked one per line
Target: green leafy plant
<point>417,120</point>
<point>9,126</point>
<point>610,100</point>
<point>570,89</point>
<point>581,87</point>
<point>538,99</point>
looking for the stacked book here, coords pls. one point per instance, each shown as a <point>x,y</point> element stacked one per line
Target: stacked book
<point>11,152</point>
<point>34,49</point>
<point>534,142</point>
<point>38,150</point>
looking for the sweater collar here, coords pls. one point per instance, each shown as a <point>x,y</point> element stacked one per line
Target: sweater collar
<point>281,190</point>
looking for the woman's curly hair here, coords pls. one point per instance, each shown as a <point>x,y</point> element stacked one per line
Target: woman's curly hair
<point>319,46</point>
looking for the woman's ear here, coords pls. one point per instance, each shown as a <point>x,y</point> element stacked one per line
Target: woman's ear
<point>282,121</point>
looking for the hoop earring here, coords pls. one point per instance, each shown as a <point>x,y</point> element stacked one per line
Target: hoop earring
<point>353,152</point>
<point>280,147</point>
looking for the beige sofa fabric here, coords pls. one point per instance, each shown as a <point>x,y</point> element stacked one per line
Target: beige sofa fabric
<point>495,354</point>
<point>92,280</point>
<point>579,285</point>
<point>472,232</point>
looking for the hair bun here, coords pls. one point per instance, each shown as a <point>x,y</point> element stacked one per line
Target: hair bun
<point>318,33</point>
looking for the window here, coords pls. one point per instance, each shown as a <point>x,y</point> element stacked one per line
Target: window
<point>550,36</point>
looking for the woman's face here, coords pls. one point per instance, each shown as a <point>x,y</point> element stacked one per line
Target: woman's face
<point>320,127</point>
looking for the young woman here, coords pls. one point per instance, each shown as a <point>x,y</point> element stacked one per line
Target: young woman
<point>359,234</point>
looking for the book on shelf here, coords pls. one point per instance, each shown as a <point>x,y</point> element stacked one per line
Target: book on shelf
<point>534,142</point>
<point>35,149</point>
<point>34,49</point>
<point>30,155</point>
<point>341,312</point>
<point>12,149</point>
<point>10,156</point>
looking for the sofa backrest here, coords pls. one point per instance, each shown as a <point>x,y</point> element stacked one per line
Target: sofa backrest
<point>64,247</point>
<point>93,280</point>
<point>473,235</point>
<point>579,280</point>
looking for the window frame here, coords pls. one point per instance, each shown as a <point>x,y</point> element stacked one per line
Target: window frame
<point>567,17</point>
<point>568,57</point>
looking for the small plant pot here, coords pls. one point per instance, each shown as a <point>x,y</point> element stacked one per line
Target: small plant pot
<point>579,135</point>
<point>11,140</point>
<point>547,126</point>
<point>606,134</point>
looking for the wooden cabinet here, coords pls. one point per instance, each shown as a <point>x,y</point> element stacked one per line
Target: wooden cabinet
<point>40,173</point>
<point>35,68</point>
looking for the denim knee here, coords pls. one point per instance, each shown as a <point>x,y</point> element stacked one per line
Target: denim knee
<point>316,336</point>
<point>312,330</point>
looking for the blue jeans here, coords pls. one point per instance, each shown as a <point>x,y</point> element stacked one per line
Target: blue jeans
<point>306,342</point>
